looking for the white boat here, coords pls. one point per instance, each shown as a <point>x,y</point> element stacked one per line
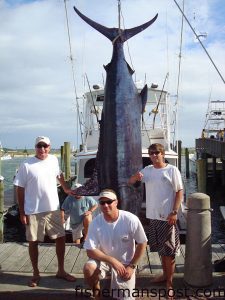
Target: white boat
<point>3,155</point>
<point>156,128</point>
<point>214,125</point>
<point>215,119</point>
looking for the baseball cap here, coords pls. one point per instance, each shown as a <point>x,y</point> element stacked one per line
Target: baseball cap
<point>43,139</point>
<point>109,194</point>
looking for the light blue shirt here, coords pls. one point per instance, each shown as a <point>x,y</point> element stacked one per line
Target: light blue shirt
<point>77,207</point>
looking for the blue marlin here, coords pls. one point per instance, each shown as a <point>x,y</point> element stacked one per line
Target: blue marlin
<point>119,152</point>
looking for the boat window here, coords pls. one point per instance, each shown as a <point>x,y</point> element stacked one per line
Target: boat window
<point>100,98</point>
<point>89,168</point>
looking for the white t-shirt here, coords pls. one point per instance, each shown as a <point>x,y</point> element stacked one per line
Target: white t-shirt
<point>161,186</point>
<point>38,178</point>
<point>116,239</point>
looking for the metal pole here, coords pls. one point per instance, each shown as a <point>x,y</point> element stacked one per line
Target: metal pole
<point>1,208</point>
<point>67,160</point>
<point>187,163</point>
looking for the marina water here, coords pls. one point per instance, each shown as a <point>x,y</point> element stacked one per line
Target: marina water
<point>14,231</point>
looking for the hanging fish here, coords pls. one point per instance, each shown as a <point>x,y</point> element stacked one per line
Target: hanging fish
<point>119,151</point>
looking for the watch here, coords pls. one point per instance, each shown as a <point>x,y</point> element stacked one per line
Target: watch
<point>133,266</point>
<point>174,212</point>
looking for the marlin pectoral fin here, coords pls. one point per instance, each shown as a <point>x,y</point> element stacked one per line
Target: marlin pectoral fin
<point>131,71</point>
<point>144,96</point>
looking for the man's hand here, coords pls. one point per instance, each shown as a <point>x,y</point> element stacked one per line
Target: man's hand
<point>172,219</point>
<point>24,219</point>
<point>129,273</point>
<point>118,267</point>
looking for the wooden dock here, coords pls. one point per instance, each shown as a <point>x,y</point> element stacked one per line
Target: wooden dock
<point>16,270</point>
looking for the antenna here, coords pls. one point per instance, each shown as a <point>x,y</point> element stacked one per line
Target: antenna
<point>119,15</point>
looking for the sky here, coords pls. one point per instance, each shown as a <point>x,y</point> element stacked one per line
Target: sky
<point>37,92</point>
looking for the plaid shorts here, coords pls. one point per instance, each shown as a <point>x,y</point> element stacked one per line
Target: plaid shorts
<point>163,238</point>
<point>47,223</point>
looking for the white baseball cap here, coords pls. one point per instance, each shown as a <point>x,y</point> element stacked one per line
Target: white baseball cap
<point>43,139</point>
<point>109,194</point>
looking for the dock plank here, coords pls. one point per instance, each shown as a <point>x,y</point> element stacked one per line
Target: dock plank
<point>52,267</point>
<point>180,260</point>
<point>4,247</point>
<point>218,251</point>
<point>155,262</point>
<point>222,210</point>
<point>47,258</point>
<point>71,258</point>
<point>17,259</point>
<point>143,267</point>
<point>7,252</point>
<point>27,266</point>
<point>80,261</point>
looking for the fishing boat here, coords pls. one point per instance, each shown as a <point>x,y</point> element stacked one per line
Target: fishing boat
<point>215,119</point>
<point>112,144</point>
<point>157,127</point>
<point>213,129</point>
<point>3,155</point>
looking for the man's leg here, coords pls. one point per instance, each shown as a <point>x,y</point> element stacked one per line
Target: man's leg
<point>33,252</point>
<point>91,275</point>
<point>86,222</point>
<point>169,266</point>
<point>60,253</point>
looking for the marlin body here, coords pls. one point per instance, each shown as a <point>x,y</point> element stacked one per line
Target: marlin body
<point>120,151</point>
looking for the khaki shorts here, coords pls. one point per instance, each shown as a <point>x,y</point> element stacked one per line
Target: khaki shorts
<point>119,289</point>
<point>77,231</point>
<point>47,223</point>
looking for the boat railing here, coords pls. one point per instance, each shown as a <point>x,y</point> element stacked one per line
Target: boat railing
<point>210,146</point>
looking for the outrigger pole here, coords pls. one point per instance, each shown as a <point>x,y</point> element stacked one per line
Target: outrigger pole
<point>197,37</point>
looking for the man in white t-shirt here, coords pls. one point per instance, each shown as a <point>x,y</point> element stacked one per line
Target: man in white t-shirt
<point>110,246</point>
<point>164,194</point>
<point>36,188</point>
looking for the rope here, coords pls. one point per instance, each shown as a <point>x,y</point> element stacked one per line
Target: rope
<point>178,79</point>
<point>93,103</point>
<point>73,72</point>
<point>159,100</point>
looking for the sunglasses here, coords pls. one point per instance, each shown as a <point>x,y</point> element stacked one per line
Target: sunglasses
<point>42,146</point>
<point>102,202</point>
<point>154,152</point>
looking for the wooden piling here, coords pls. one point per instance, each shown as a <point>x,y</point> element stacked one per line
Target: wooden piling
<point>187,163</point>
<point>201,175</point>
<point>67,160</point>
<point>223,172</point>
<point>179,154</point>
<point>62,158</point>
<point>214,170</point>
<point>1,209</point>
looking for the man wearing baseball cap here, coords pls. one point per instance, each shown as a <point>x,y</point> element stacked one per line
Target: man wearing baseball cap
<point>37,196</point>
<point>115,242</point>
